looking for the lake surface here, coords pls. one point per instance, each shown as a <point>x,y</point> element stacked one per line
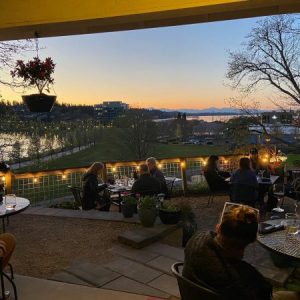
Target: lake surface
<point>221,118</point>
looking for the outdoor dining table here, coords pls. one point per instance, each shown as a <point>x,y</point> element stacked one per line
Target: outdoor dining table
<point>21,205</point>
<point>284,247</point>
<point>118,190</point>
<point>263,181</point>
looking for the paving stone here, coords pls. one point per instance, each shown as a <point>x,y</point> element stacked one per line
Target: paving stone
<point>276,277</point>
<point>140,255</point>
<point>162,263</point>
<point>127,285</point>
<point>167,284</point>
<point>133,270</point>
<point>142,237</point>
<point>92,273</point>
<point>68,278</point>
<point>166,250</point>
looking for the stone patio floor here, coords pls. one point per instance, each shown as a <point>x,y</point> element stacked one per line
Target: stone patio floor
<point>144,271</point>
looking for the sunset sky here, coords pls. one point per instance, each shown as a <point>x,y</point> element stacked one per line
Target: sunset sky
<point>173,67</point>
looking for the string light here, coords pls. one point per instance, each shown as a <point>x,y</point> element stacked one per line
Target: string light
<point>182,164</point>
<point>64,176</point>
<point>159,166</point>
<point>3,178</point>
<point>114,169</point>
<point>35,180</point>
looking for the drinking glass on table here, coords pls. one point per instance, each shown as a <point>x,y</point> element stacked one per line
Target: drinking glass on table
<point>292,225</point>
<point>278,192</point>
<point>10,201</point>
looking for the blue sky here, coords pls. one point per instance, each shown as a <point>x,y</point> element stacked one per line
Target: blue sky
<point>172,67</point>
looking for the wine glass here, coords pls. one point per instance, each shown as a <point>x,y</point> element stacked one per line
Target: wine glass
<point>278,190</point>
<point>10,201</point>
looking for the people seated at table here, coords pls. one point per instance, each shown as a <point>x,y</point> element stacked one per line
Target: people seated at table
<point>156,173</point>
<point>146,185</point>
<point>216,259</point>
<point>244,185</point>
<point>259,166</point>
<point>215,178</point>
<point>91,189</point>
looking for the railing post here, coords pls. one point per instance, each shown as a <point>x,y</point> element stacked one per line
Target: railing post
<point>183,165</point>
<point>8,183</point>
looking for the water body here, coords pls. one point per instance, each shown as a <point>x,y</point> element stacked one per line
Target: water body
<point>210,118</point>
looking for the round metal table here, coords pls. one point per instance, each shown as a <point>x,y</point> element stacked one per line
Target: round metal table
<point>21,205</point>
<point>281,244</point>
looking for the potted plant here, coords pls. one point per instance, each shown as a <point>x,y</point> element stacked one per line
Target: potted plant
<point>147,211</point>
<point>36,73</point>
<point>128,206</point>
<point>169,213</point>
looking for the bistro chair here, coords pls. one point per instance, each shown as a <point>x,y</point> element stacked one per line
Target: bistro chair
<point>190,290</point>
<point>170,185</point>
<point>76,191</point>
<point>10,279</point>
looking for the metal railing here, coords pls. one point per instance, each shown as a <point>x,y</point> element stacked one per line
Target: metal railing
<point>48,185</point>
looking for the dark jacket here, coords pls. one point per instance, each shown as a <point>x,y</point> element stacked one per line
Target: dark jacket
<point>157,174</point>
<point>146,185</point>
<point>244,177</point>
<point>233,278</point>
<point>91,191</point>
<point>215,181</point>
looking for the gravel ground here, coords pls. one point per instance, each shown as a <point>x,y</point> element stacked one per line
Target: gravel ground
<point>46,245</point>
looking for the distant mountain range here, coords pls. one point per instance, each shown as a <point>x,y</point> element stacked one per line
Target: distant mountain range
<point>209,110</point>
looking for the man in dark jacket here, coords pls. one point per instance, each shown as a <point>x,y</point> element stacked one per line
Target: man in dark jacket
<point>146,185</point>
<point>156,173</point>
<point>216,259</point>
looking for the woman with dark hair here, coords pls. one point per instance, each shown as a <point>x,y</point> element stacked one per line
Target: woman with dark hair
<point>244,183</point>
<point>215,179</point>
<point>91,189</point>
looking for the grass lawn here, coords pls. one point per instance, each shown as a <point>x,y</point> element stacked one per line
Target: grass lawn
<point>112,148</point>
<point>292,158</point>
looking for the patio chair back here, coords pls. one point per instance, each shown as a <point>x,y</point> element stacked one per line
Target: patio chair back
<point>76,191</point>
<point>190,290</point>
<point>170,185</point>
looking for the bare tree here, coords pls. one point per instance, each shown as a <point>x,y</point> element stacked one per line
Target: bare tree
<point>270,58</point>
<point>9,51</point>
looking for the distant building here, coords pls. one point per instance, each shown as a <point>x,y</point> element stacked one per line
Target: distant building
<point>277,117</point>
<point>109,110</point>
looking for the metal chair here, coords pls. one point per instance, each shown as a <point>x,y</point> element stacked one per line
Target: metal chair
<point>192,291</point>
<point>76,191</point>
<point>10,280</point>
<point>170,185</point>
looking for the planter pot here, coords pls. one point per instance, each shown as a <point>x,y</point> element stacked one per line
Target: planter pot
<point>147,216</point>
<point>128,210</point>
<point>39,102</point>
<point>169,217</point>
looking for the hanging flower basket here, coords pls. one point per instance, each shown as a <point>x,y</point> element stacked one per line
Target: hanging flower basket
<point>39,102</point>
<point>36,73</point>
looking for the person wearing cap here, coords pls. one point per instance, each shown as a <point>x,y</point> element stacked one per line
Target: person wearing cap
<point>216,259</point>
<point>157,174</point>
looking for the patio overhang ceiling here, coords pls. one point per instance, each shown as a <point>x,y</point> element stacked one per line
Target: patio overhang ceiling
<point>20,19</point>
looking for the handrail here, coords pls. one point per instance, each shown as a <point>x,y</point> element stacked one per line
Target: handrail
<point>112,167</point>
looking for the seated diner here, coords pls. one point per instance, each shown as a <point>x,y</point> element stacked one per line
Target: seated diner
<point>216,259</point>
<point>157,174</point>
<point>91,189</point>
<point>146,185</point>
<point>244,185</point>
<point>215,178</point>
